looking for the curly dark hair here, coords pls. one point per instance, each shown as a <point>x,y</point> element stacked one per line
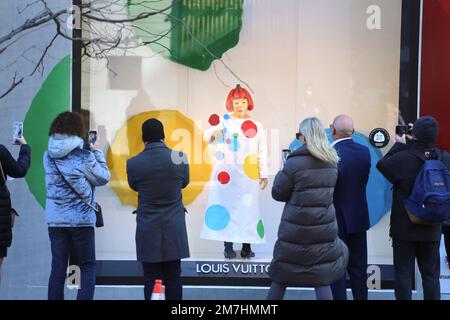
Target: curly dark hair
<point>69,123</point>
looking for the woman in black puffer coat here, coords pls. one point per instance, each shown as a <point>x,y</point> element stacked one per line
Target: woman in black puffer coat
<point>308,252</point>
<point>15,169</point>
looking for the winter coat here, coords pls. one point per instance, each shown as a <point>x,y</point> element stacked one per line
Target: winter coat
<point>308,251</point>
<point>83,169</point>
<point>159,174</point>
<point>350,202</point>
<point>401,166</point>
<point>15,169</point>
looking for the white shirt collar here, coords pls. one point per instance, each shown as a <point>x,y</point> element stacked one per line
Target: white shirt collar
<point>339,140</point>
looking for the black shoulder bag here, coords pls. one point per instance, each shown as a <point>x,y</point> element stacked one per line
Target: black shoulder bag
<point>96,207</point>
<point>14,213</point>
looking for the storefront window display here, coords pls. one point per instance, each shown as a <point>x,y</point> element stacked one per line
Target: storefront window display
<point>292,59</point>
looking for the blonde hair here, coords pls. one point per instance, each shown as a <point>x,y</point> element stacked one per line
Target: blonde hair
<point>317,142</point>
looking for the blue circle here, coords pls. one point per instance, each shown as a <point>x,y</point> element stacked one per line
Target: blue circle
<point>217,217</point>
<point>219,155</point>
<point>234,145</point>
<point>378,191</point>
<point>226,117</point>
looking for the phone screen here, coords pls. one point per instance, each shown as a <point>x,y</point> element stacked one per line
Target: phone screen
<point>92,137</point>
<point>17,131</point>
<point>403,129</point>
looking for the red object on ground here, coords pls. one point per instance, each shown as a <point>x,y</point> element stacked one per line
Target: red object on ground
<point>158,291</point>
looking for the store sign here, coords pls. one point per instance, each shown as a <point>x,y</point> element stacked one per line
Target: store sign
<point>230,269</point>
<point>379,138</point>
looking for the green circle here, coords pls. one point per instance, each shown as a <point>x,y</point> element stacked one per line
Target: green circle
<point>235,135</point>
<point>260,228</point>
<point>51,99</point>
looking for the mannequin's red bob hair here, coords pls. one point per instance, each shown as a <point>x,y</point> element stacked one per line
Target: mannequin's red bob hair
<point>239,93</point>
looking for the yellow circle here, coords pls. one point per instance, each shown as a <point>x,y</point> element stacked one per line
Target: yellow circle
<point>251,168</point>
<point>181,135</point>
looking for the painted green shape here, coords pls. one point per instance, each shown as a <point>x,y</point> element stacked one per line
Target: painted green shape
<point>192,32</point>
<point>260,228</point>
<point>52,98</point>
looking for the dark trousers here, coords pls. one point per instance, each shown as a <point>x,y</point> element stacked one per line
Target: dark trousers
<point>169,272</point>
<point>82,242</point>
<point>428,260</point>
<point>277,291</point>
<point>356,269</point>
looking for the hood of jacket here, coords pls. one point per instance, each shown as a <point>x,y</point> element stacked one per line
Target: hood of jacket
<point>60,145</point>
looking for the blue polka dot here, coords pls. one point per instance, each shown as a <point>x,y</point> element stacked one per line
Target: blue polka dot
<point>226,117</point>
<point>220,155</point>
<point>217,217</point>
<point>234,145</point>
<point>221,140</point>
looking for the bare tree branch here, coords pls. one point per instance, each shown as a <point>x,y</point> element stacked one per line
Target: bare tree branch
<point>42,18</point>
<point>106,30</point>
<point>29,5</point>
<point>40,63</point>
<point>12,87</point>
<point>141,16</point>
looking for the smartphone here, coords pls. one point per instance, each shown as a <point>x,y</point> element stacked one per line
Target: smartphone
<point>403,129</point>
<point>92,138</point>
<point>17,132</point>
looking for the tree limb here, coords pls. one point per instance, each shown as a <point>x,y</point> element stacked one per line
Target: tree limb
<point>12,87</point>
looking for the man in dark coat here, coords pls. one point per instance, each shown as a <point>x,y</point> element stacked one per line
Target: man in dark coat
<point>15,169</point>
<point>350,203</point>
<point>401,166</point>
<point>159,174</point>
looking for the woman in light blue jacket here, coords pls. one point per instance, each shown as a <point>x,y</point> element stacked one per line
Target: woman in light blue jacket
<point>71,174</point>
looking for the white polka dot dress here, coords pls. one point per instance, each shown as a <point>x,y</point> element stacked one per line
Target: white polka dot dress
<point>239,152</point>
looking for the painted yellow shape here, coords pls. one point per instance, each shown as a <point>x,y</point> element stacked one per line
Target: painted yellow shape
<point>251,166</point>
<point>181,134</point>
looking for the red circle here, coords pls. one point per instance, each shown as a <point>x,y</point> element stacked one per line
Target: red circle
<point>249,129</point>
<point>214,120</point>
<point>223,177</point>
<point>228,141</point>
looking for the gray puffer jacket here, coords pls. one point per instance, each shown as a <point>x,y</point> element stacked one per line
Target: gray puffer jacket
<point>308,252</point>
<point>83,169</point>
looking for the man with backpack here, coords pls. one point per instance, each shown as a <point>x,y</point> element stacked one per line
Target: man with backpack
<point>413,238</point>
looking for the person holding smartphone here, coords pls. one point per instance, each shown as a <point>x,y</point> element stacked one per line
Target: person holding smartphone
<point>411,241</point>
<point>71,175</point>
<point>16,169</point>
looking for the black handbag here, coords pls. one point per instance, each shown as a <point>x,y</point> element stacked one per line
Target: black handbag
<point>14,213</point>
<point>95,206</point>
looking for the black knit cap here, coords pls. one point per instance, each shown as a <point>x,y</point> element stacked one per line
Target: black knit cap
<point>426,129</point>
<point>152,131</point>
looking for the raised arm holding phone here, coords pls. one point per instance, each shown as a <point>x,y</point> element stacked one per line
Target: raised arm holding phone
<point>16,169</point>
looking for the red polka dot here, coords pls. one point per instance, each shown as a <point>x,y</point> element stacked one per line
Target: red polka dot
<point>214,120</point>
<point>249,129</point>
<point>228,141</point>
<point>223,177</point>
